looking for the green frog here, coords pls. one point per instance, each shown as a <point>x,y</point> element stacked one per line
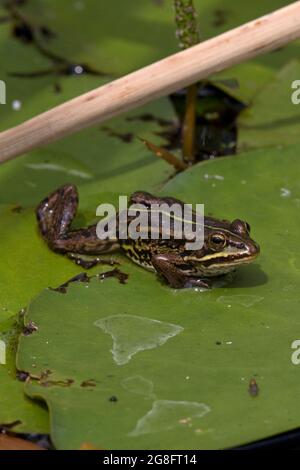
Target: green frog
<point>226,244</point>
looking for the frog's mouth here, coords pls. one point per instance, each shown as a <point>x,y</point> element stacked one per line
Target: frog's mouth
<point>226,261</point>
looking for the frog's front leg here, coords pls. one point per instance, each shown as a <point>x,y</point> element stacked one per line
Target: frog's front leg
<point>55,215</point>
<point>173,269</point>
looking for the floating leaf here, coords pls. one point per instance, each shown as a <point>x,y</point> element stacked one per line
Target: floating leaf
<point>272,119</point>
<point>17,412</point>
<point>229,336</point>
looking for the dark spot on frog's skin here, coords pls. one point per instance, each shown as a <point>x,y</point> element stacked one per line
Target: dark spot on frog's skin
<point>30,328</point>
<point>113,399</point>
<point>22,375</point>
<point>88,383</point>
<point>218,343</point>
<point>124,137</point>
<point>253,388</point>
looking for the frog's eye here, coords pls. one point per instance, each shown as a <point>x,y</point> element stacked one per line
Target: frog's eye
<point>217,241</point>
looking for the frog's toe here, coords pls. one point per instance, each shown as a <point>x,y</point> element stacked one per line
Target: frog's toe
<point>196,282</point>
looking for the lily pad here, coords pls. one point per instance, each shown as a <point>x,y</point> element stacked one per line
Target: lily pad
<point>227,338</point>
<point>104,154</point>
<point>244,81</point>
<point>272,119</point>
<point>142,32</point>
<point>26,264</point>
<point>17,412</point>
<point>110,154</point>
<point>107,159</point>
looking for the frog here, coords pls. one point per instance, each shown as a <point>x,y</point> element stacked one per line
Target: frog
<point>226,245</point>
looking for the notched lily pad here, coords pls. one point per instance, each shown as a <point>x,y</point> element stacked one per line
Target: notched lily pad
<point>224,334</point>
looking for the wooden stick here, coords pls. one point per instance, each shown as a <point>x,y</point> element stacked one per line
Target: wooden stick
<point>158,79</point>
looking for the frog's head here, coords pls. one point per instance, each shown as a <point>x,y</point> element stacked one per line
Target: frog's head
<point>226,245</point>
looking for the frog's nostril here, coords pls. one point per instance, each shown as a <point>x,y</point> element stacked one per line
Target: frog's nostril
<point>254,249</point>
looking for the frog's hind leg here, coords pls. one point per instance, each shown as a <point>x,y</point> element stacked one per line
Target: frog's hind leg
<point>56,213</point>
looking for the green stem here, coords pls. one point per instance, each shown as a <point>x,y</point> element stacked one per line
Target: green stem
<point>165,155</point>
<point>189,125</point>
<point>188,35</point>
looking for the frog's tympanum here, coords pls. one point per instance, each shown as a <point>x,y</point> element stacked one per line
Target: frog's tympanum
<point>226,244</point>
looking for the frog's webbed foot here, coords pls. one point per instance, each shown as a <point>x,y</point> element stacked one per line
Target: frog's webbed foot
<point>168,267</point>
<point>56,212</point>
<point>90,263</point>
<point>191,281</point>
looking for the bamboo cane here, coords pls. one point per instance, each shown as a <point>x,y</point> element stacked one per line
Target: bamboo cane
<point>158,79</point>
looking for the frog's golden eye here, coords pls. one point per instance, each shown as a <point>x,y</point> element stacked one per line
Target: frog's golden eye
<point>217,241</point>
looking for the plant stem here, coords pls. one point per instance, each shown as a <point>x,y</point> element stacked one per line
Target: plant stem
<point>187,28</point>
<point>188,125</point>
<point>165,155</point>
<point>188,35</point>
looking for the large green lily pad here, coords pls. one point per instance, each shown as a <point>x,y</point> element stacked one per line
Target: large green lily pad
<point>144,366</point>
<point>101,163</point>
<point>272,119</point>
